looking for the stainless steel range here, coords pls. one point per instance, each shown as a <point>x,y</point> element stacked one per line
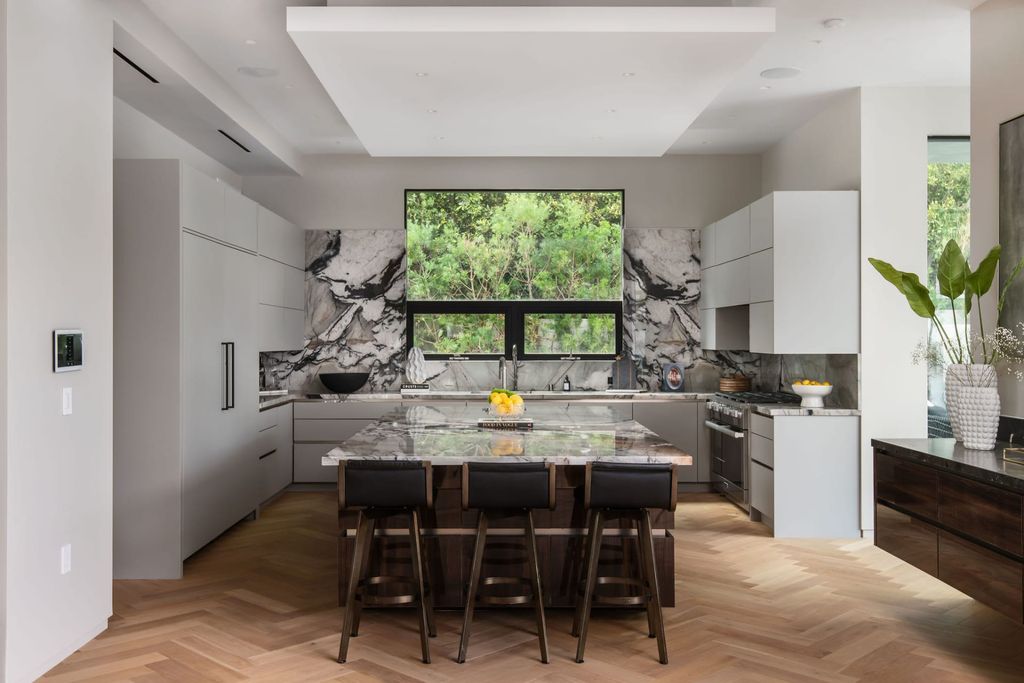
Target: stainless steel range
<point>728,419</point>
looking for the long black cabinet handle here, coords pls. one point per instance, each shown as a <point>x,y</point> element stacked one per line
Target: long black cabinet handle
<point>225,403</point>
<point>232,347</point>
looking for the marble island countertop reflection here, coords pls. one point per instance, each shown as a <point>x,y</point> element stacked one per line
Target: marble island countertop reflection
<point>572,434</point>
<point>273,399</point>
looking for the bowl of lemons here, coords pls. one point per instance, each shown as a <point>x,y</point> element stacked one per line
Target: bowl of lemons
<point>505,403</point>
<point>812,393</point>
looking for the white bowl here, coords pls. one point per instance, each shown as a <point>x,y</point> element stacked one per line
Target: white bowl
<point>812,395</point>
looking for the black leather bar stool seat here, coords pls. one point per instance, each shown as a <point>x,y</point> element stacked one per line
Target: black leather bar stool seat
<point>501,490</point>
<point>381,490</point>
<point>624,491</point>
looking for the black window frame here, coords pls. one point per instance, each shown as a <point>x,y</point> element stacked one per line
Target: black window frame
<point>515,311</point>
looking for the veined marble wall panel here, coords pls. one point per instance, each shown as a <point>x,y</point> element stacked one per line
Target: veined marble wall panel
<point>355,317</point>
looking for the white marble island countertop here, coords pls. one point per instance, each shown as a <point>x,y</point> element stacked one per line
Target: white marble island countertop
<point>572,434</point>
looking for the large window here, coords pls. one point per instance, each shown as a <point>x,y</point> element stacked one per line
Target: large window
<point>490,270</point>
<point>949,217</point>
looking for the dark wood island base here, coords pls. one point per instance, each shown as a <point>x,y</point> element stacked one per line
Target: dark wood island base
<point>956,514</point>
<point>449,531</point>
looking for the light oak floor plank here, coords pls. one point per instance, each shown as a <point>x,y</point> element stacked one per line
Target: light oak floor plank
<point>258,604</point>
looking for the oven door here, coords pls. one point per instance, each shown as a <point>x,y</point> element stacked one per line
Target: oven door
<point>728,460</point>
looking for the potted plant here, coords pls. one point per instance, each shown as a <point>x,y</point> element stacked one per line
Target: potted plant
<point>972,398</point>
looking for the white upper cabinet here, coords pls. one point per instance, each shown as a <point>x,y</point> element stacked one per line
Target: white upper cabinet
<point>732,236</point>
<point>761,223</point>
<point>281,240</point>
<point>815,303</point>
<point>707,246</point>
<point>791,261</point>
<point>202,203</point>
<point>241,215</point>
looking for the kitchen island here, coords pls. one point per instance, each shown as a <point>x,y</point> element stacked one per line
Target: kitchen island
<point>569,435</point>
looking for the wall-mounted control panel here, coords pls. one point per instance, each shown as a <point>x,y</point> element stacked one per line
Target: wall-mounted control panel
<point>67,350</point>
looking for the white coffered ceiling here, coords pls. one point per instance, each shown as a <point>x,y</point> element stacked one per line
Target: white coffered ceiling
<point>882,43</point>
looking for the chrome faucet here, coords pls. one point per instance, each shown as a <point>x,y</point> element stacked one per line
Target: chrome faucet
<point>502,373</point>
<point>515,368</point>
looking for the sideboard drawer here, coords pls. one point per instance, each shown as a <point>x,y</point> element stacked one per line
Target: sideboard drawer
<point>913,541</point>
<point>984,575</point>
<point>910,486</point>
<point>984,512</point>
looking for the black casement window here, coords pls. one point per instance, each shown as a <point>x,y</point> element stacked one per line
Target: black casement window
<point>539,271</point>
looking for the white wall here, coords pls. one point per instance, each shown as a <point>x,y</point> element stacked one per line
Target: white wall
<point>361,192</point>
<point>997,62</point>
<point>876,139</point>
<point>822,154</point>
<point>58,274</point>
<point>136,136</point>
<point>895,126</point>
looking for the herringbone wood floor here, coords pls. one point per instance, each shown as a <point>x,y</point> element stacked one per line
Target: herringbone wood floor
<point>258,604</point>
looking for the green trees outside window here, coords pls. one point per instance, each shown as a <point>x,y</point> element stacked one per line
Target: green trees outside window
<point>514,246</point>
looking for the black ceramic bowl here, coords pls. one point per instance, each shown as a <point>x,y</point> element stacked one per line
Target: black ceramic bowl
<point>343,382</point>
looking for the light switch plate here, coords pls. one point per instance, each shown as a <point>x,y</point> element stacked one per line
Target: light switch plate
<point>65,558</point>
<point>65,403</point>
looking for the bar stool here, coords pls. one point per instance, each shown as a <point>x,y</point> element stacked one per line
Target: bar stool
<point>624,491</point>
<point>382,490</point>
<point>502,490</point>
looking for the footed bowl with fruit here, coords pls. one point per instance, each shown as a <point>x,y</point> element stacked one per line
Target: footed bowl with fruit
<point>812,393</point>
<point>505,404</point>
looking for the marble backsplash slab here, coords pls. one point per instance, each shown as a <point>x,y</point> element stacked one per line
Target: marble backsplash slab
<point>355,319</point>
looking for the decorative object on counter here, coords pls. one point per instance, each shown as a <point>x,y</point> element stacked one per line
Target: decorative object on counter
<point>737,382</point>
<point>973,415</point>
<point>505,403</point>
<point>812,392</point>
<point>415,366</point>
<point>343,382</point>
<point>672,377</point>
<point>1015,455</point>
<point>566,385</point>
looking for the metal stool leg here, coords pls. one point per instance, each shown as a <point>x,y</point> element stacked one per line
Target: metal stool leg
<point>353,581</point>
<point>652,629</point>
<point>474,581</point>
<point>428,595</point>
<point>538,595</point>
<point>582,574</point>
<point>594,553</point>
<point>417,570</point>
<point>647,551</point>
<point>362,564</point>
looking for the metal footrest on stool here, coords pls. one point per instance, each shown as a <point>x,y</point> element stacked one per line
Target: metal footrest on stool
<point>505,600</point>
<point>640,598</point>
<point>377,600</point>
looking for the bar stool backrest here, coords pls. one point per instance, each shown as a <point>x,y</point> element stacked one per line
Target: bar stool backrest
<point>385,484</point>
<point>508,486</point>
<point>628,486</point>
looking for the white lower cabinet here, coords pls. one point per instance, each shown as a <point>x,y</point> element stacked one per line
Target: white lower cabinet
<point>276,443</point>
<point>322,425</point>
<point>805,475</point>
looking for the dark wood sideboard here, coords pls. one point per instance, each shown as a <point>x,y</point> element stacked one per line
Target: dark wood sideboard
<point>956,514</point>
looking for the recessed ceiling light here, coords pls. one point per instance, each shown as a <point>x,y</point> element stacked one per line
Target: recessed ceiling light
<point>612,111</point>
<point>818,42</point>
<point>766,87</point>
<point>250,41</point>
<point>439,137</point>
<point>628,74</point>
<point>288,86</point>
<point>421,74</point>
<point>431,111</point>
<point>780,72</point>
<point>835,22</point>
<point>257,71</point>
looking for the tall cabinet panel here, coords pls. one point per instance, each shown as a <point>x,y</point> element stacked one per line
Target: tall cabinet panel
<point>186,453</point>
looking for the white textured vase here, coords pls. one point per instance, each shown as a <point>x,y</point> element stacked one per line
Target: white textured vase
<point>979,417</point>
<point>959,376</point>
<point>416,366</point>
